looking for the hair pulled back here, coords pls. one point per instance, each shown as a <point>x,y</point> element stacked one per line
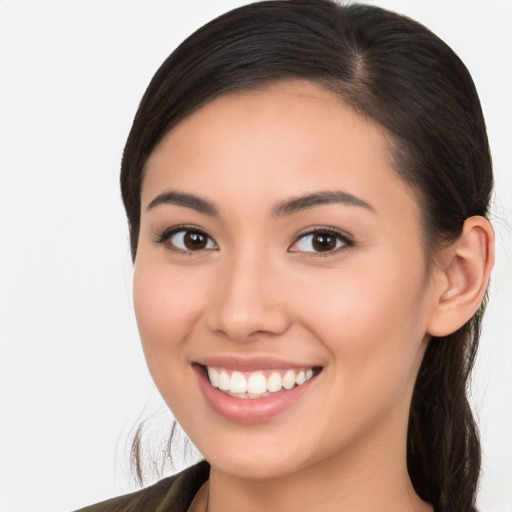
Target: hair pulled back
<point>392,70</point>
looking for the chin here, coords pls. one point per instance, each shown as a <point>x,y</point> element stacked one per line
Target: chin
<point>269,467</point>
<point>256,456</point>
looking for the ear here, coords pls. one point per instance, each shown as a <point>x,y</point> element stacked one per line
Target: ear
<point>461,277</point>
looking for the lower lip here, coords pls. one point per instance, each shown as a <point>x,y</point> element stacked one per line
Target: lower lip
<point>249,410</point>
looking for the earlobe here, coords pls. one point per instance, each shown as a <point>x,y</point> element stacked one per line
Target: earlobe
<point>463,277</point>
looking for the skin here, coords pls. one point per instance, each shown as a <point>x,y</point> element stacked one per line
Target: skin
<point>362,312</point>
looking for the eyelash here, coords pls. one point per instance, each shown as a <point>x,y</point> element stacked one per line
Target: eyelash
<point>345,239</point>
<point>340,236</point>
<point>164,238</point>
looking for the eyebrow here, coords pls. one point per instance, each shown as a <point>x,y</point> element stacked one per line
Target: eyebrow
<point>285,208</point>
<point>317,199</point>
<point>186,200</point>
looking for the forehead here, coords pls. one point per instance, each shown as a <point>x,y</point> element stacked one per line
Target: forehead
<point>287,138</point>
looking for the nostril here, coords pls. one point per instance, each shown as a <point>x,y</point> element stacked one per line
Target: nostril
<point>245,325</point>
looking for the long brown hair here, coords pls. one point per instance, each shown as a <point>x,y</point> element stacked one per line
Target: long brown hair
<point>398,73</point>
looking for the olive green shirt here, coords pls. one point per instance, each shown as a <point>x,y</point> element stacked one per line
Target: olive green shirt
<point>172,494</point>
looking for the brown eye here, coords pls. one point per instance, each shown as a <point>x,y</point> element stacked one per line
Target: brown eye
<point>194,241</point>
<point>189,240</point>
<point>323,242</point>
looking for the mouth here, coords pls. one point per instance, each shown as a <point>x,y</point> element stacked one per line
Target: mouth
<point>256,389</point>
<point>257,384</point>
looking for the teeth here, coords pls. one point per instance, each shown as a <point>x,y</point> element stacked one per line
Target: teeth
<point>289,379</point>
<point>274,382</point>
<point>213,375</point>
<point>237,383</point>
<point>301,378</point>
<point>256,385</point>
<point>224,381</point>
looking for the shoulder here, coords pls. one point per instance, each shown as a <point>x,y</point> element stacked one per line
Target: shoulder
<point>172,494</point>
<point>149,498</point>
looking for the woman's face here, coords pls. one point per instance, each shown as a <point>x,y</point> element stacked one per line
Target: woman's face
<point>277,245</point>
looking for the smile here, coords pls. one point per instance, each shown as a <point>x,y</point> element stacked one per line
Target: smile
<point>257,384</point>
<point>253,391</point>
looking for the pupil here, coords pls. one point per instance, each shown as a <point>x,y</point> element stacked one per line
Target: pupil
<point>194,241</point>
<point>324,242</point>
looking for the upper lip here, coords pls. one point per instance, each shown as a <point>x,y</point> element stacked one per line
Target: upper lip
<point>252,363</point>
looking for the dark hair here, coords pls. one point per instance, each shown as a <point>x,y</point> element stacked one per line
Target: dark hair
<point>395,71</point>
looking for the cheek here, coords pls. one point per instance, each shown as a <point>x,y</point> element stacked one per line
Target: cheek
<point>167,306</point>
<point>372,333</point>
<point>371,320</point>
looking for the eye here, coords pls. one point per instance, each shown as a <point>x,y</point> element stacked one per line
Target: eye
<point>187,240</point>
<point>321,241</point>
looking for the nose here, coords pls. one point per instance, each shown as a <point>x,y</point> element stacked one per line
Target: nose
<point>249,301</point>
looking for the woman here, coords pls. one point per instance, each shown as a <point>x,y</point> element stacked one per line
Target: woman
<point>307,187</point>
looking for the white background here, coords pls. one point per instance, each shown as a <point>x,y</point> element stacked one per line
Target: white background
<point>73,381</point>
